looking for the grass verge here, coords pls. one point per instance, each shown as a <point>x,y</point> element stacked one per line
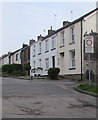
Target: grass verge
<point>92,89</point>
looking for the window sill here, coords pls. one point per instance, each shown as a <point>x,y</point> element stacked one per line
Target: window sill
<point>61,46</point>
<point>53,49</point>
<point>71,43</point>
<point>72,68</point>
<point>39,54</point>
<point>46,51</point>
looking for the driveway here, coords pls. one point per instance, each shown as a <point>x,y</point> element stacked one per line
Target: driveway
<point>45,99</point>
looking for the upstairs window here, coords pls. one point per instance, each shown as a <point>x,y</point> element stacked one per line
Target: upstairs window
<point>40,47</point>
<point>53,42</point>
<point>34,51</point>
<point>72,35</point>
<point>17,57</point>
<point>46,46</point>
<point>62,38</point>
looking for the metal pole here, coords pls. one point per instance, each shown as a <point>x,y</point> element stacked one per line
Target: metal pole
<point>81,50</point>
<point>89,69</point>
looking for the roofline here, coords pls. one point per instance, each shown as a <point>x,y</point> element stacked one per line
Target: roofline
<point>16,51</point>
<point>75,21</point>
<point>25,48</point>
<point>4,56</point>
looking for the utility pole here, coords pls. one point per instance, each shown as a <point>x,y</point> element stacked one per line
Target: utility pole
<point>55,19</point>
<point>44,32</point>
<point>71,15</point>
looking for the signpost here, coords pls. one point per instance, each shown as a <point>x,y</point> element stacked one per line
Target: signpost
<point>89,48</point>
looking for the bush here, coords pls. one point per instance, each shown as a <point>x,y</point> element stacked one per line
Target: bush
<point>53,73</point>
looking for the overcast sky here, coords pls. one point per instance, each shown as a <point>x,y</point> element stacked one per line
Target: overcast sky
<point>22,21</point>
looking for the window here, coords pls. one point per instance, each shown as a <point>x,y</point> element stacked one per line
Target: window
<point>53,42</point>
<point>72,58</point>
<point>16,57</point>
<point>39,62</point>
<point>40,47</point>
<point>34,51</point>
<point>34,64</point>
<point>46,46</point>
<point>62,38</point>
<point>47,63</point>
<point>72,35</point>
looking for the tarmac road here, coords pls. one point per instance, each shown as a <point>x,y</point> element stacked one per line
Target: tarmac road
<point>45,99</point>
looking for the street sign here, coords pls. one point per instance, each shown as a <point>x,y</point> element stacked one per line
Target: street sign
<point>89,48</point>
<point>89,44</point>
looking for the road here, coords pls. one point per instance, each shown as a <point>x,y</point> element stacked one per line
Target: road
<point>45,99</point>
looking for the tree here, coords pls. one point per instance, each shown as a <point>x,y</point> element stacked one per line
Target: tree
<point>27,67</point>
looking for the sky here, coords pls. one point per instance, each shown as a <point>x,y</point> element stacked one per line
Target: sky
<point>22,21</point>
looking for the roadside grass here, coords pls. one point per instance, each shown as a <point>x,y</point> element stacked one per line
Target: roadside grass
<point>86,87</point>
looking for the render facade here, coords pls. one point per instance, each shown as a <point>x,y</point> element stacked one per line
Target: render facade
<point>43,55</point>
<point>69,47</point>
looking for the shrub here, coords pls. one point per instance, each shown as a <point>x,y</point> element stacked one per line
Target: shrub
<point>53,73</point>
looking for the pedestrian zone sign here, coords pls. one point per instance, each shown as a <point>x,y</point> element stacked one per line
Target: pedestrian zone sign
<point>89,44</point>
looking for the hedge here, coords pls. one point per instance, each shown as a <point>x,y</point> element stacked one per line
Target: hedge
<point>12,68</point>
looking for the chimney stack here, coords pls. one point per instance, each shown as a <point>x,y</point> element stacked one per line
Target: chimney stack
<point>40,37</point>
<point>51,31</point>
<point>31,41</point>
<point>65,23</point>
<point>24,45</point>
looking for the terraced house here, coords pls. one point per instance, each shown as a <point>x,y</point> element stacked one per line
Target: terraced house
<point>63,48</point>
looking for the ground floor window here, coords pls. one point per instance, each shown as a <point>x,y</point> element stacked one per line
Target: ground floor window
<point>39,62</point>
<point>47,63</point>
<point>72,59</point>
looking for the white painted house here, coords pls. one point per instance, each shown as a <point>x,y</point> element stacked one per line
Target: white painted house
<point>68,52</point>
<point>43,54</point>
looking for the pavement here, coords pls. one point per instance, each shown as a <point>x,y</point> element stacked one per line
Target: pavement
<point>40,98</point>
